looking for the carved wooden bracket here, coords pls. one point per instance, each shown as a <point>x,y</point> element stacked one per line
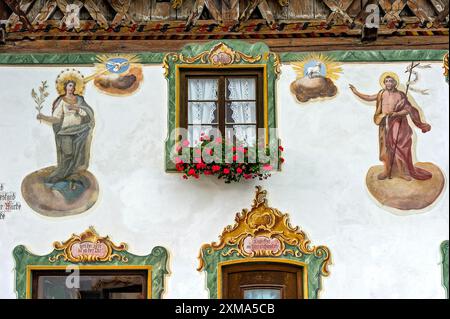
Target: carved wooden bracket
<point>368,34</point>
<point>122,16</point>
<point>394,9</point>
<point>442,7</point>
<point>236,15</point>
<point>19,11</point>
<point>197,11</point>
<point>264,8</point>
<point>2,34</point>
<point>339,10</point>
<point>120,6</point>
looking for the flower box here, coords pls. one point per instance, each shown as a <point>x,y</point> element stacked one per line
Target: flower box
<point>226,160</point>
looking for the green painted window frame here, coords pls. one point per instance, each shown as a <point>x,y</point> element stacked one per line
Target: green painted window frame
<point>297,249</point>
<point>156,263</point>
<point>445,266</point>
<point>245,55</point>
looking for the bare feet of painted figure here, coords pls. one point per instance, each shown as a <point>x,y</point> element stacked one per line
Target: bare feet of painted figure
<point>399,183</point>
<point>67,188</point>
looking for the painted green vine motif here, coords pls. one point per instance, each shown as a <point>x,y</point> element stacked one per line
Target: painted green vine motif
<point>445,266</point>
<point>286,57</point>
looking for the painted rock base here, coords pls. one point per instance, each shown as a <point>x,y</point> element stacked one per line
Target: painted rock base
<point>406,195</point>
<point>50,202</point>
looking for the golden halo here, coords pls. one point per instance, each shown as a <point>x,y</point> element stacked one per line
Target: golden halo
<point>391,75</point>
<point>70,75</point>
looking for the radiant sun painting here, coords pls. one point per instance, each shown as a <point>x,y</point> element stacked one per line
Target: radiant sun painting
<point>328,67</point>
<point>315,76</point>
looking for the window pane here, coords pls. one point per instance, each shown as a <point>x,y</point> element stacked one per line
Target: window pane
<point>202,89</point>
<point>241,112</point>
<point>195,132</point>
<point>245,135</point>
<point>241,89</point>
<point>202,113</point>
<point>92,287</point>
<point>262,294</point>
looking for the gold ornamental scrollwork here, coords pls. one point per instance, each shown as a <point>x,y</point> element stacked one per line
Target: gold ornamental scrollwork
<point>176,3</point>
<point>272,228</point>
<point>445,61</point>
<point>220,55</point>
<point>87,248</point>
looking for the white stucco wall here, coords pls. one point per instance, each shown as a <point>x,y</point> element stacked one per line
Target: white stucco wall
<point>329,147</point>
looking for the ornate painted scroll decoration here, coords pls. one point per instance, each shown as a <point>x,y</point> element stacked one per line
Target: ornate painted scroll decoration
<point>265,232</point>
<point>220,55</point>
<point>176,3</point>
<point>445,266</point>
<point>92,251</point>
<point>88,247</point>
<point>446,67</point>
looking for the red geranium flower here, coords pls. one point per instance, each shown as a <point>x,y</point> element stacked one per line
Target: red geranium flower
<point>226,171</point>
<point>215,168</point>
<point>191,171</point>
<point>281,148</point>
<point>239,170</point>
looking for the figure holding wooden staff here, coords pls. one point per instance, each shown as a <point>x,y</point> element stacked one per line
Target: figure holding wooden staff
<point>400,182</point>
<point>395,132</point>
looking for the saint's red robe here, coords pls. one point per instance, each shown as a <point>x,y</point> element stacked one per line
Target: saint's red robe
<point>396,137</point>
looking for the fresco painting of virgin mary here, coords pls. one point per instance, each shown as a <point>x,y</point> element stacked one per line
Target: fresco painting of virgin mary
<point>67,188</point>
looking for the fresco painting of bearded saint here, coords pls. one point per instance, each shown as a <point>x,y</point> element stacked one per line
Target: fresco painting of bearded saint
<point>67,188</point>
<point>400,183</point>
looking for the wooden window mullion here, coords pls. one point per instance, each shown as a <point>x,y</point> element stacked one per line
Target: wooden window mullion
<point>221,105</point>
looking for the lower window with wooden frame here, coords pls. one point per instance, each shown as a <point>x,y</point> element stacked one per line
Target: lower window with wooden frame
<point>87,266</point>
<point>91,283</point>
<point>263,280</point>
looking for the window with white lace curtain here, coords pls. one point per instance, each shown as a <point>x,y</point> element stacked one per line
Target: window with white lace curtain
<point>230,100</point>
